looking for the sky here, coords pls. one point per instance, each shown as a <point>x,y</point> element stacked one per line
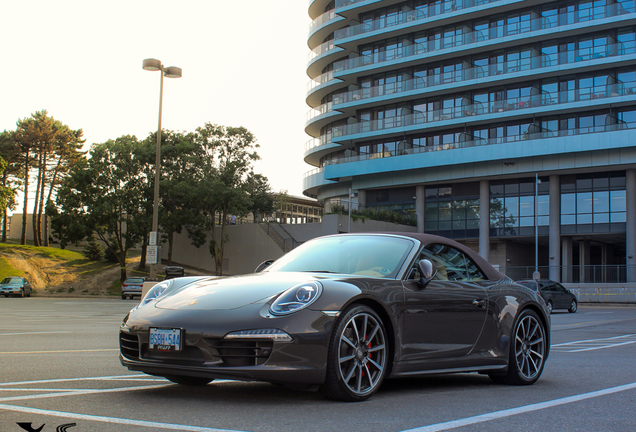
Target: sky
<point>243,64</point>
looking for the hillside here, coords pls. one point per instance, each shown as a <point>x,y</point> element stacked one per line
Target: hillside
<point>55,271</point>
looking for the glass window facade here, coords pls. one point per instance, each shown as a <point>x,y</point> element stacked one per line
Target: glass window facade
<point>593,203</point>
<point>452,211</point>
<point>512,207</point>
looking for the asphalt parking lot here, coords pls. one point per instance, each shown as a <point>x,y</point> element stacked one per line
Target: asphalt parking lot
<point>60,369</point>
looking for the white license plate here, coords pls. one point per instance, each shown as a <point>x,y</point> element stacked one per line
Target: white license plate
<point>162,339</point>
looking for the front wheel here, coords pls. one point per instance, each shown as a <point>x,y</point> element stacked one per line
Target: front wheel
<point>358,355</point>
<point>574,306</point>
<point>188,380</point>
<point>528,349</point>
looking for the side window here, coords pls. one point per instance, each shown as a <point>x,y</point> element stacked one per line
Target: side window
<point>559,288</point>
<point>451,264</point>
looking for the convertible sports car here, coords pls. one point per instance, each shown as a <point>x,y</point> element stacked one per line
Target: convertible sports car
<point>341,313</point>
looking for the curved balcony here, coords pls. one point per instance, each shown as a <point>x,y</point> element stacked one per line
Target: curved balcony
<point>413,17</point>
<point>322,27</point>
<point>507,32</point>
<point>317,7</point>
<point>500,72</point>
<point>312,180</point>
<point>508,109</point>
<point>320,87</point>
<point>320,57</point>
<point>319,117</point>
<point>623,128</point>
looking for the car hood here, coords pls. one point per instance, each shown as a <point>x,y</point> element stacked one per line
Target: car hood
<point>232,292</point>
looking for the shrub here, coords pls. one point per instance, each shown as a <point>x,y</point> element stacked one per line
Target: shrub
<point>93,250</point>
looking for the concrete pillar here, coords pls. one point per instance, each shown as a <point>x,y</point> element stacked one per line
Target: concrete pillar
<point>419,206</point>
<point>566,251</point>
<point>362,198</point>
<point>484,219</point>
<point>555,229</point>
<point>630,235</point>
<point>584,260</point>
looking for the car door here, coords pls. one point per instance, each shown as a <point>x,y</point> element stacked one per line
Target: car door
<point>561,296</point>
<point>445,317</point>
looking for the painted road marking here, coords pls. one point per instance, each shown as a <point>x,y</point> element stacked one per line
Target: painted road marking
<point>594,344</point>
<point>113,420</point>
<point>30,333</point>
<point>520,410</point>
<point>59,351</point>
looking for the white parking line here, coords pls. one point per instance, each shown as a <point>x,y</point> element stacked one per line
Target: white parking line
<point>113,420</point>
<point>79,392</point>
<point>30,333</point>
<point>594,344</point>
<point>520,410</point>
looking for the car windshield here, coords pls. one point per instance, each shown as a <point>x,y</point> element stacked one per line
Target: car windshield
<point>366,255</point>
<point>11,281</point>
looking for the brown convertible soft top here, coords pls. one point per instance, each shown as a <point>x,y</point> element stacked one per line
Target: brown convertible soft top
<point>490,272</point>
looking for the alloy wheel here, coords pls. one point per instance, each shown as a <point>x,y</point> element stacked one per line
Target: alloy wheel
<point>530,347</point>
<point>362,354</point>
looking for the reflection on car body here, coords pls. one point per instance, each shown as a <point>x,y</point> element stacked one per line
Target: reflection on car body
<point>342,313</point>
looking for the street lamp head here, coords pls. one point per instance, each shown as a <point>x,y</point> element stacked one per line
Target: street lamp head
<point>151,65</point>
<point>172,72</point>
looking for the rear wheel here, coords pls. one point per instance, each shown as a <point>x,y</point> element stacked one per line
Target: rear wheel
<point>574,306</point>
<point>358,355</point>
<point>188,380</point>
<point>549,307</point>
<point>528,348</point>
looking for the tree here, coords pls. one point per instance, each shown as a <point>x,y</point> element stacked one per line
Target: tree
<point>10,179</point>
<point>49,147</point>
<point>226,181</point>
<point>102,196</point>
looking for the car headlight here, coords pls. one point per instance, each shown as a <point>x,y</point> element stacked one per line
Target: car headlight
<point>296,298</point>
<point>155,292</point>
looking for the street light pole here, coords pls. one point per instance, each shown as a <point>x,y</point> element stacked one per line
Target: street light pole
<point>170,72</point>
<point>536,275</point>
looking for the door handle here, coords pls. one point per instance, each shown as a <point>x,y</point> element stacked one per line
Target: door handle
<point>479,303</point>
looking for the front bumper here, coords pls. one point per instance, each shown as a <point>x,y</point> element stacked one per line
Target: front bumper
<point>206,353</point>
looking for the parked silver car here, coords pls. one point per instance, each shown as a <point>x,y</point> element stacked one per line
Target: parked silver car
<point>15,286</point>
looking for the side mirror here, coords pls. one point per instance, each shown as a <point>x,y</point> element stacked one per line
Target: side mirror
<point>262,266</point>
<point>428,270</point>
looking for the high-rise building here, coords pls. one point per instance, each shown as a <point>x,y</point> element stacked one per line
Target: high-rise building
<point>483,119</point>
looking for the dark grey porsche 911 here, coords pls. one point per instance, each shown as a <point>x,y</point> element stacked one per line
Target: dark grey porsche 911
<point>342,313</point>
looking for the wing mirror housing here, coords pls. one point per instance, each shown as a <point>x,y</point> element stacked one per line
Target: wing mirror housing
<point>262,266</point>
<point>428,270</point>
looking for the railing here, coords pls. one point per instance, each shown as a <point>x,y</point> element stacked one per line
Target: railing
<point>320,80</point>
<point>410,16</point>
<point>476,109</point>
<point>574,274</point>
<point>285,240</point>
<point>320,49</point>
<point>327,16</point>
<point>500,70</point>
<point>478,36</point>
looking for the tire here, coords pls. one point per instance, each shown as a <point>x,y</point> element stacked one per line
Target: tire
<point>574,306</point>
<point>358,355</point>
<point>188,380</point>
<point>528,348</point>
<point>549,307</point>
<point>123,297</point>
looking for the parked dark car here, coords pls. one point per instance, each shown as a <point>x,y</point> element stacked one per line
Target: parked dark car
<point>555,295</point>
<point>132,287</point>
<point>341,313</point>
<point>16,286</point>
